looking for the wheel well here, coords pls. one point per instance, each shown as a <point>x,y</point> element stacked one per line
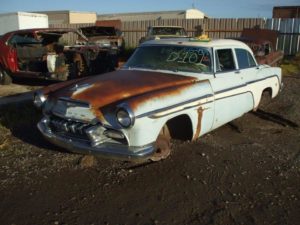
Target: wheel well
<point>181,128</point>
<point>268,90</point>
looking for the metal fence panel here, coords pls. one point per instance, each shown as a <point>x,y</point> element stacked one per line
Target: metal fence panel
<point>289,38</point>
<point>133,31</point>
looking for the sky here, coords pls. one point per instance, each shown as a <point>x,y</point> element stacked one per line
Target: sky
<point>212,8</point>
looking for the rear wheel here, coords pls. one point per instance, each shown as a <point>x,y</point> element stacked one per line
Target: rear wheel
<point>162,144</point>
<point>4,77</point>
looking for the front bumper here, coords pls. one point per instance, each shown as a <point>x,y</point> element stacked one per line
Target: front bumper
<point>109,150</point>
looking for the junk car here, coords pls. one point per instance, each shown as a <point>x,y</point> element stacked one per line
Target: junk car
<point>104,36</point>
<point>162,32</point>
<point>44,53</point>
<point>263,43</point>
<point>172,88</point>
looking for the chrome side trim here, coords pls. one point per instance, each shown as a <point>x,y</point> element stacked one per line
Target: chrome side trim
<point>74,101</point>
<point>255,81</point>
<point>230,89</point>
<point>149,114</point>
<point>237,95</point>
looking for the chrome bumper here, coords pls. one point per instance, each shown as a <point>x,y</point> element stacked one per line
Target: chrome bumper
<point>109,150</point>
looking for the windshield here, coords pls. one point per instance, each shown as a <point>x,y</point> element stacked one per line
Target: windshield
<point>179,31</point>
<point>174,58</point>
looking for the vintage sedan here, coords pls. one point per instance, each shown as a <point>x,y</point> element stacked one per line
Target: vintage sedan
<point>175,88</point>
<point>263,43</point>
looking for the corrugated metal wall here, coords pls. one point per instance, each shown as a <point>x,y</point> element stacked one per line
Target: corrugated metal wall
<point>289,39</point>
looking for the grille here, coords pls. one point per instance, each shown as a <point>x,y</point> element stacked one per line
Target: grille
<point>69,128</point>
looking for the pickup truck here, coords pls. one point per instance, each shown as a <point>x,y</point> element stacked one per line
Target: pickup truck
<point>171,88</point>
<point>263,43</point>
<point>163,32</point>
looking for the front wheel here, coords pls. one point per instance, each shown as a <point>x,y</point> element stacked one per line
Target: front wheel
<point>162,144</point>
<point>4,77</point>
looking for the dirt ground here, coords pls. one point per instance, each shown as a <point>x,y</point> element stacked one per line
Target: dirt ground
<point>246,172</point>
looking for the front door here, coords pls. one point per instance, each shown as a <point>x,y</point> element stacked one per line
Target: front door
<point>231,95</point>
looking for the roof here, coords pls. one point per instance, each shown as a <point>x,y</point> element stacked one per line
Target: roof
<point>158,14</point>
<point>63,11</point>
<point>145,13</point>
<point>24,14</point>
<point>187,41</point>
<point>287,7</point>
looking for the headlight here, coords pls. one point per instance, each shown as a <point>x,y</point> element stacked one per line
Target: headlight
<point>125,117</point>
<point>39,99</point>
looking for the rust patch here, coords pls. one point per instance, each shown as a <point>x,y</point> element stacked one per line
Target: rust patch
<point>121,85</point>
<point>98,114</point>
<point>260,35</point>
<point>135,87</point>
<point>198,129</point>
<point>167,92</point>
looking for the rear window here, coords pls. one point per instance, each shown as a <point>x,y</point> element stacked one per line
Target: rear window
<point>26,38</point>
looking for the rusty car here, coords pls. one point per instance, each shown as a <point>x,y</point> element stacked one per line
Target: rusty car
<point>104,36</point>
<point>163,32</point>
<point>168,89</point>
<point>263,44</point>
<point>44,53</point>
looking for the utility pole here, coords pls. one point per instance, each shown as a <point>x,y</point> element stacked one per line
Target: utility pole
<point>193,4</point>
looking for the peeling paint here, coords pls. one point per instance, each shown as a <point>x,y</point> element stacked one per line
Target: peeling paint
<point>198,129</point>
<point>121,85</point>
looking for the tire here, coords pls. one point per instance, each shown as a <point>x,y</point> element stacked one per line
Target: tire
<point>5,79</point>
<point>163,145</point>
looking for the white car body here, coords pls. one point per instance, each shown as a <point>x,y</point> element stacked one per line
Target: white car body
<point>197,102</point>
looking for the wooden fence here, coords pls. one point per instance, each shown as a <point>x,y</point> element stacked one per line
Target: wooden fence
<point>288,41</point>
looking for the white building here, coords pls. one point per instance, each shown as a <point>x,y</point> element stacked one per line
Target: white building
<point>22,20</point>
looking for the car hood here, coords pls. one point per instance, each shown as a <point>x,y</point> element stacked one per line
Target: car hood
<point>103,90</point>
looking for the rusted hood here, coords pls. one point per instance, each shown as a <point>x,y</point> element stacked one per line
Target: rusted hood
<point>119,85</point>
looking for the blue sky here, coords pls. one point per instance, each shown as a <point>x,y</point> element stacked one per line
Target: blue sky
<point>213,8</point>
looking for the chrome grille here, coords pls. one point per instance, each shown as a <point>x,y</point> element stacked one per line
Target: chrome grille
<point>69,128</point>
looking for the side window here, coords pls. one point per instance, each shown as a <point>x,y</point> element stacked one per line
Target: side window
<point>244,58</point>
<point>225,60</point>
